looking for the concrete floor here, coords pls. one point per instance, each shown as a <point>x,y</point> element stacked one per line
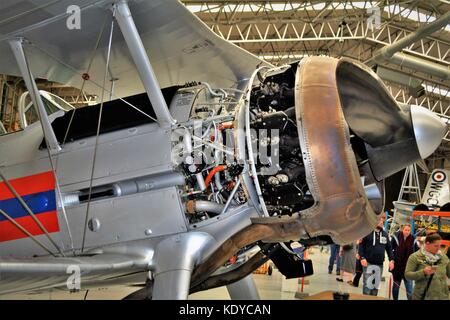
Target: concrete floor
<point>273,287</point>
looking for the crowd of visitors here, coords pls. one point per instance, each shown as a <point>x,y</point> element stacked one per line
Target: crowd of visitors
<point>419,264</point>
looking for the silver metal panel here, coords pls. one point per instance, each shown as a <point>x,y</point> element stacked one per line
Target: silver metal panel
<point>224,227</point>
<point>26,248</point>
<point>122,219</point>
<point>181,105</point>
<point>121,155</point>
<point>119,152</point>
<point>29,141</point>
<point>175,258</point>
<point>128,218</point>
<point>244,289</point>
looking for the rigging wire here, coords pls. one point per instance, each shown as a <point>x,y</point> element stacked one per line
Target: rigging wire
<point>67,132</point>
<point>102,87</point>
<point>14,222</point>
<point>29,211</point>
<point>87,71</point>
<point>10,19</point>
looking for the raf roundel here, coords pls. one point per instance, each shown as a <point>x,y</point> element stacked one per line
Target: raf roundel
<point>439,176</point>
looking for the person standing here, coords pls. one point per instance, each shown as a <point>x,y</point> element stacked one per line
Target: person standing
<point>348,262</point>
<point>372,253</point>
<point>334,258</point>
<point>403,246</point>
<point>429,268</point>
<point>358,266</point>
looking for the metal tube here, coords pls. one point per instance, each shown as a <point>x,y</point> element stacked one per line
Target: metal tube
<point>391,54</point>
<point>214,145</point>
<point>217,181</point>
<point>248,137</point>
<point>17,49</point>
<point>217,157</point>
<point>223,94</point>
<point>200,181</point>
<point>432,68</point>
<point>143,66</point>
<point>420,33</point>
<point>208,206</point>
<point>128,187</point>
<point>372,191</point>
<point>388,51</point>
<point>113,86</point>
<point>243,289</point>
<point>149,183</point>
<point>30,212</point>
<point>398,77</point>
<point>26,232</point>
<point>230,198</point>
<point>187,141</point>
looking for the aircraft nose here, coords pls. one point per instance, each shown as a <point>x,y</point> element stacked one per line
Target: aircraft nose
<point>429,130</point>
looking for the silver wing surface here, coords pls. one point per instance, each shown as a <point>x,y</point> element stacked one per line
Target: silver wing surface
<point>181,48</point>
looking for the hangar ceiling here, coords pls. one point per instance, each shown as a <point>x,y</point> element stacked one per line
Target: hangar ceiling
<point>283,31</point>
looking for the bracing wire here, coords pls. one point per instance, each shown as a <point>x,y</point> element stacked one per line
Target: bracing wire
<point>102,87</point>
<point>87,71</point>
<point>29,211</point>
<point>17,225</point>
<point>98,132</point>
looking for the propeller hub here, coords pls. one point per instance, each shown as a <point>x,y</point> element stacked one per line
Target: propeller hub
<point>429,130</point>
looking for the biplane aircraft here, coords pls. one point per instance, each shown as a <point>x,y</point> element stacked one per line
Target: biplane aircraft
<point>197,152</point>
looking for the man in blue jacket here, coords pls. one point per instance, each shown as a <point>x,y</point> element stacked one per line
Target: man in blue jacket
<point>372,252</point>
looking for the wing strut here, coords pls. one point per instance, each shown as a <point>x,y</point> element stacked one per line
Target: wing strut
<point>143,66</point>
<point>17,49</point>
<point>49,135</point>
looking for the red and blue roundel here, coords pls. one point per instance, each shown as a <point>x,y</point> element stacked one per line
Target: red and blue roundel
<point>38,191</point>
<point>439,176</point>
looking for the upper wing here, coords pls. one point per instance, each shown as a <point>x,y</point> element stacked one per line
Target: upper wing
<point>181,48</point>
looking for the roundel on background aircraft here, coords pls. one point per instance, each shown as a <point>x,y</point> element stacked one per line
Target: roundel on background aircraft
<point>439,176</point>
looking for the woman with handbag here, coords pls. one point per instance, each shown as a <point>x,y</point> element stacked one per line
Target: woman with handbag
<point>348,263</point>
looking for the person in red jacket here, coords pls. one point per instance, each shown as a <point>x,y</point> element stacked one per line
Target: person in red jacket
<point>403,245</point>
